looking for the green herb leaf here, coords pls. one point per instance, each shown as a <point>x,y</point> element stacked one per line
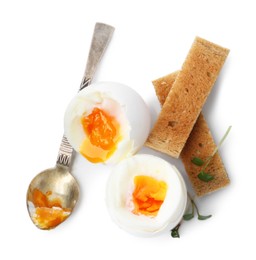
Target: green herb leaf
<point>197,161</point>
<point>188,216</point>
<point>175,232</point>
<point>201,217</point>
<point>203,176</point>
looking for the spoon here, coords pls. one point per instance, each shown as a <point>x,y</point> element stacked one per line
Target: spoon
<point>53,193</point>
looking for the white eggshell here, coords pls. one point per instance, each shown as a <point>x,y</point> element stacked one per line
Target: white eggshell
<point>131,111</point>
<point>120,187</point>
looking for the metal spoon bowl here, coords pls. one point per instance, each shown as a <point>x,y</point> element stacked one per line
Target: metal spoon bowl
<point>58,180</point>
<point>53,193</point>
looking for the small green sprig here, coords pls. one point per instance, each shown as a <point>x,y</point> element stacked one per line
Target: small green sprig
<point>204,176</point>
<point>197,161</point>
<point>189,216</point>
<point>175,231</point>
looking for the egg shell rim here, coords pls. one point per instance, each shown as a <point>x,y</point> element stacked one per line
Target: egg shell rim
<point>167,225</point>
<point>101,86</point>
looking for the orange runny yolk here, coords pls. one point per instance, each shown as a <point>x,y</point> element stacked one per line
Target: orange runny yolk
<point>102,135</point>
<point>148,195</point>
<point>48,213</point>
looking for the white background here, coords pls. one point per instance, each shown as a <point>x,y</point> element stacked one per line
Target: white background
<point>43,51</point>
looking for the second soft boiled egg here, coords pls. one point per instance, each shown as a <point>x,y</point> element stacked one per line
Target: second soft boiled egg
<point>107,122</point>
<point>145,195</point>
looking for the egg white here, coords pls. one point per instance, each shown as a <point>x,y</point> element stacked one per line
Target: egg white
<point>119,101</point>
<point>121,185</point>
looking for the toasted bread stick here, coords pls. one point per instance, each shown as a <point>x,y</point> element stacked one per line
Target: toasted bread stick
<point>185,100</point>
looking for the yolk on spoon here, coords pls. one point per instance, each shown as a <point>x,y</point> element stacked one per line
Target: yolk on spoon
<point>148,195</point>
<point>48,212</point>
<point>103,135</point>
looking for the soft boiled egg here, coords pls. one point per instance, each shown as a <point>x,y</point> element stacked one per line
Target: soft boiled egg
<point>107,122</point>
<point>145,195</point>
